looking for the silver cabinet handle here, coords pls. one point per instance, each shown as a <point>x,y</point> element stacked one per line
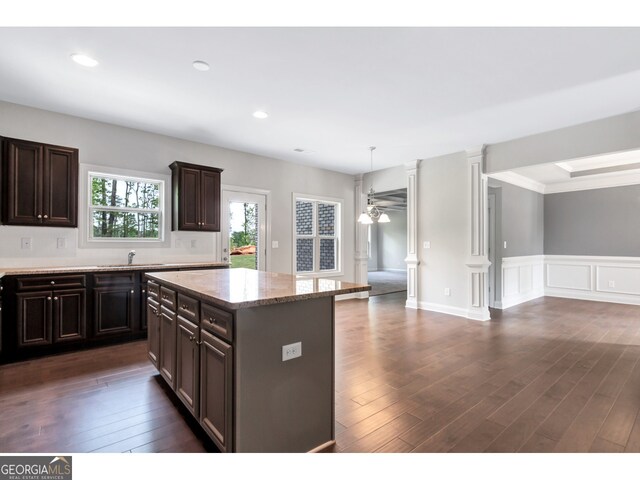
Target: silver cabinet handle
<point>49,298</point>
<point>132,291</point>
<point>143,290</point>
<point>55,298</point>
<point>192,338</point>
<point>46,216</point>
<point>212,320</point>
<point>52,282</point>
<point>39,216</point>
<point>199,343</point>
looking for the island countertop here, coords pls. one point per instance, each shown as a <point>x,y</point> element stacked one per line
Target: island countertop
<point>237,288</point>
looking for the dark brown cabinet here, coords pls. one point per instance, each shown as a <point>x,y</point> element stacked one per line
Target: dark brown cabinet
<point>40,184</point>
<point>216,383</point>
<point>51,316</point>
<point>167,360</point>
<point>153,331</point>
<point>114,303</point>
<point>195,198</point>
<point>188,364</point>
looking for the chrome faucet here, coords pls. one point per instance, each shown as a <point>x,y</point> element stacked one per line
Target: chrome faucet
<point>130,258</point>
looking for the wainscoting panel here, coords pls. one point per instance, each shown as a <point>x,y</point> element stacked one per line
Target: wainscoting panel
<point>604,279</point>
<point>522,279</point>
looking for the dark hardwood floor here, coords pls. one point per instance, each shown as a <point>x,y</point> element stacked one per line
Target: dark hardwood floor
<point>551,375</point>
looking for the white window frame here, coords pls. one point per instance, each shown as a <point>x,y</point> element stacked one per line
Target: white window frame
<point>87,239</point>
<point>315,199</point>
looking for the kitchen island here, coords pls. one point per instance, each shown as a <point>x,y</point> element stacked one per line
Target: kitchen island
<point>250,354</point>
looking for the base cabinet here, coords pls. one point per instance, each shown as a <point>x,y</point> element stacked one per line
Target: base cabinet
<point>167,360</point>
<point>153,331</point>
<point>197,364</point>
<point>51,316</point>
<point>216,375</point>
<point>188,364</point>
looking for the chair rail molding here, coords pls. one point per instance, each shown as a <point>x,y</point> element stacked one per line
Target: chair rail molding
<point>412,260</point>
<point>361,253</point>
<point>478,261</point>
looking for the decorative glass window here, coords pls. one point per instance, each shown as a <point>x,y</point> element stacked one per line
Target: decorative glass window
<point>316,235</point>
<point>125,208</point>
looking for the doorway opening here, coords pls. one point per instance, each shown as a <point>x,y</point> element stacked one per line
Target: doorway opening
<point>244,226</point>
<point>387,245</point>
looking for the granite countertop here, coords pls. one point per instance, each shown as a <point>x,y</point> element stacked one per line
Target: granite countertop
<point>237,288</point>
<point>107,268</point>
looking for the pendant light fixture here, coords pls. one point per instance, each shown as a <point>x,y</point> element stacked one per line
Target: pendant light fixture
<point>373,213</point>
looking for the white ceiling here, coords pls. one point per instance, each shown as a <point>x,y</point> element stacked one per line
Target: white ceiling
<point>601,171</point>
<point>412,92</point>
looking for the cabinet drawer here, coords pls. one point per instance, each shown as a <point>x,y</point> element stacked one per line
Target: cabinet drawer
<point>153,290</point>
<point>55,281</point>
<point>217,321</point>
<point>168,298</point>
<point>123,278</point>
<point>188,308</point>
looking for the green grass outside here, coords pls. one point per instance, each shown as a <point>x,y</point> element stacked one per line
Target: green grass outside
<point>243,261</point>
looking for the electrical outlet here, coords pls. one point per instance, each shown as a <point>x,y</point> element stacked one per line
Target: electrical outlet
<point>25,243</point>
<point>447,292</point>
<point>61,242</point>
<point>612,284</point>
<point>505,244</point>
<point>194,243</point>
<point>426,244</point>
<point>293,350</point>
<point>274,244</point>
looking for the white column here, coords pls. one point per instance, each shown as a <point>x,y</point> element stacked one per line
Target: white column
<point>478,261</point>
<point>412,234</point>
<point>361,253</point>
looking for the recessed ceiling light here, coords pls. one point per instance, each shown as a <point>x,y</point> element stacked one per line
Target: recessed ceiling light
<point>84,60</point>
<point>201,66</point>
<point>260,114</point>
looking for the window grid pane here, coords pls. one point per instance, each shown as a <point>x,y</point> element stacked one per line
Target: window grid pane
<point>304,218</point>
<point>113,224</point>
<point>326,219</point>
<point>327,254</point>
<point>304,255</point>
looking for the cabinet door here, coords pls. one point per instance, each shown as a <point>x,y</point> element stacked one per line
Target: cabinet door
<point>69,315</point>
<point>34,318</point>
<point>60,192</point>
<point>210,201</point>
<point>167,362</point>
<point>22,183</point>
<point>143,307</point>
<point>188,364</point>
<point>153,331</point>
<point>216,386</point>
<point>189,198</point>
<point>113,309</point>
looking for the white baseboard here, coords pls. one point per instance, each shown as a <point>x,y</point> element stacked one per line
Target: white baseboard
<point>513,301</point>
<point>440,308</point>
<point>593,296</point>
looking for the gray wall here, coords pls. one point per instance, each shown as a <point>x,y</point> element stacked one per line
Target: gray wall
<point>604,221</point>
<point>118,147</point>
<point>522,221</point>
<point>443,220</point>
<point>608,135</point>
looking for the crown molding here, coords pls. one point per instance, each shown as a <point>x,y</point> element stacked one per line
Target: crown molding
<point>520,181</point>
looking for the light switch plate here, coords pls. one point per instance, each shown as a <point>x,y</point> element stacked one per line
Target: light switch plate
<point>25,243</point>
<point>61,242</point>
<point>274,244</point>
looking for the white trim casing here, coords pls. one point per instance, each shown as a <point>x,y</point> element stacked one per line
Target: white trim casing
<point>522,280</point>
<point>478,262</point>
<point>361,254</point>
<point>412,260</point>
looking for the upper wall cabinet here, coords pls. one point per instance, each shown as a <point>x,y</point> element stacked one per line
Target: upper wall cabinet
<point>39,184</point>
<point>195,197</point>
